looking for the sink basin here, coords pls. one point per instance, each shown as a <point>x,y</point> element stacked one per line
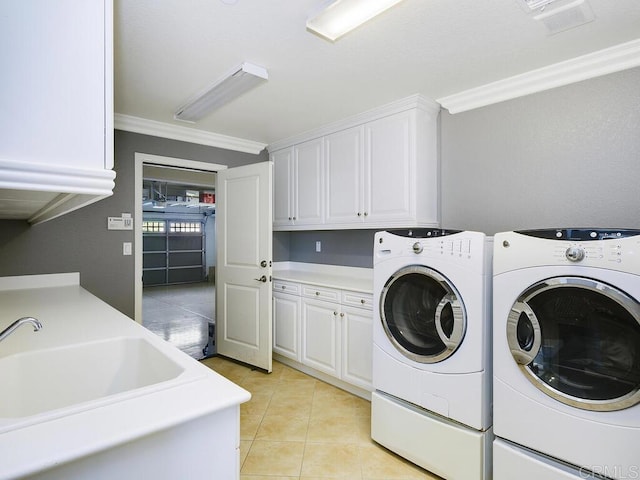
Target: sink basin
<point>44,380</point>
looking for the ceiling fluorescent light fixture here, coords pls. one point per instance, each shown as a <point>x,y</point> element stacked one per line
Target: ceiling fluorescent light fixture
<point>229,87</point>
<point>536,4</point>
<point>342,16</point>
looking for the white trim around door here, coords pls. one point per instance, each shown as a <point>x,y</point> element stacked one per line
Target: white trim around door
<point>141,159</point>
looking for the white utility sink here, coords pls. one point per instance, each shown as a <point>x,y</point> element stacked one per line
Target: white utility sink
<point>40,381</point>
<point>93,394</point>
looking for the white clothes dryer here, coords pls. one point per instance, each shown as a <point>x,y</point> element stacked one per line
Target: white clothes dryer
<point>431,349</point>
<point>566,354</point>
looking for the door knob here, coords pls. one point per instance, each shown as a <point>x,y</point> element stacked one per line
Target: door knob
<point>262,279</point>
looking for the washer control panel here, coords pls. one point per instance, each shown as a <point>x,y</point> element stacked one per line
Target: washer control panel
<point>457,246</point>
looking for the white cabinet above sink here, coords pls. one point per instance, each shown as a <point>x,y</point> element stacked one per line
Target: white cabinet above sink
<point>56,120</point>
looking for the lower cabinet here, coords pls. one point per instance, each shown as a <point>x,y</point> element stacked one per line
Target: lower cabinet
<point>286,328</point>
<point>328,330</point>
<point>321,336</point>
<point>357,346</point>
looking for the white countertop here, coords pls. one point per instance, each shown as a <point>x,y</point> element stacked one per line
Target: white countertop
<point>331,276</point>
<point>71,315</point>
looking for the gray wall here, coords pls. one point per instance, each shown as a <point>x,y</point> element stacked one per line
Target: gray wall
<point>568,157</point>
<point>345,247</point>
<point>80,241</point>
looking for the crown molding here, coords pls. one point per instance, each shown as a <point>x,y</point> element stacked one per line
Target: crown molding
<point>602,62</point>
<point>185,134</point>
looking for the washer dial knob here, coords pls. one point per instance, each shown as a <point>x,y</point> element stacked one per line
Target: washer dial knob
<point>417,247</point>
<point>574,254</point>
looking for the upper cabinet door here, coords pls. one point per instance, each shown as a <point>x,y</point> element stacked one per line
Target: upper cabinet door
<point>56,106</point>
<point>57,75</point>
<point>309,183</point>
<point>282,187</point>
<point>344,164</point>
<point>389,169</point>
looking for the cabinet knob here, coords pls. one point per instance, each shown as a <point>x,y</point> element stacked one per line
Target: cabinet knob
<point>317,293</point>
<point>361,300</point>
<point>359,214</point>
<point>335,313</point>
<point>284,287</point>
<point>289,218</point>
<point>342,314</point>
<point>366,214</point>
<point>294,218</point>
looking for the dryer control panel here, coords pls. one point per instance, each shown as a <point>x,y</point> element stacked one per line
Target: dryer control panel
<point>610,249</point>
<point>580,234</point>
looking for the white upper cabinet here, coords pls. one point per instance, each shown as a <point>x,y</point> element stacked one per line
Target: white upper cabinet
<point>283,172</point>
<point>380,169</point>
<point>298,185</point>
<point>56,120</point>
<point>344,164</point>
<point>309,181</point>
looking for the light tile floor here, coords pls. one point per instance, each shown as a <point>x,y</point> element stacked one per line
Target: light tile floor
<point>297,427</point>
<point>180,314</point>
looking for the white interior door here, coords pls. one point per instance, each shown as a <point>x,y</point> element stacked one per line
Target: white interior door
<point>243,283</point>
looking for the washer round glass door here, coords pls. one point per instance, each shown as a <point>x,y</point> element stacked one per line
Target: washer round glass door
<point>578,341</point>
<point>422,314</point>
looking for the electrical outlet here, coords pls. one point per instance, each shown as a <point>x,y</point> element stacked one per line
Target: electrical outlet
<point>318,246</point>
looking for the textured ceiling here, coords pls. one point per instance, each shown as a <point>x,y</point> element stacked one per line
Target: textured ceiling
<point>167,50</point>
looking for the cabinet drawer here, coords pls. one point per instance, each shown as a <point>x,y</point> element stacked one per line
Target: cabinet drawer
<point>286,287</point>
<point>357,299</point>
<point>321,293</point>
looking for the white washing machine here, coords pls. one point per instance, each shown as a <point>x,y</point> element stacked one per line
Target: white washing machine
<point>431,349</point>
<point>566,354</point>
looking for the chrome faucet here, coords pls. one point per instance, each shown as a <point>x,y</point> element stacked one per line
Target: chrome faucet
<point>21,321</point>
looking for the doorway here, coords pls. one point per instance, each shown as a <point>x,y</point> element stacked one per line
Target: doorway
<point>175,250</point>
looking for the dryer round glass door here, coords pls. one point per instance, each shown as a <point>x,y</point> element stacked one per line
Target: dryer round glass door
<point>578,341</point>
<point>422,314</point>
